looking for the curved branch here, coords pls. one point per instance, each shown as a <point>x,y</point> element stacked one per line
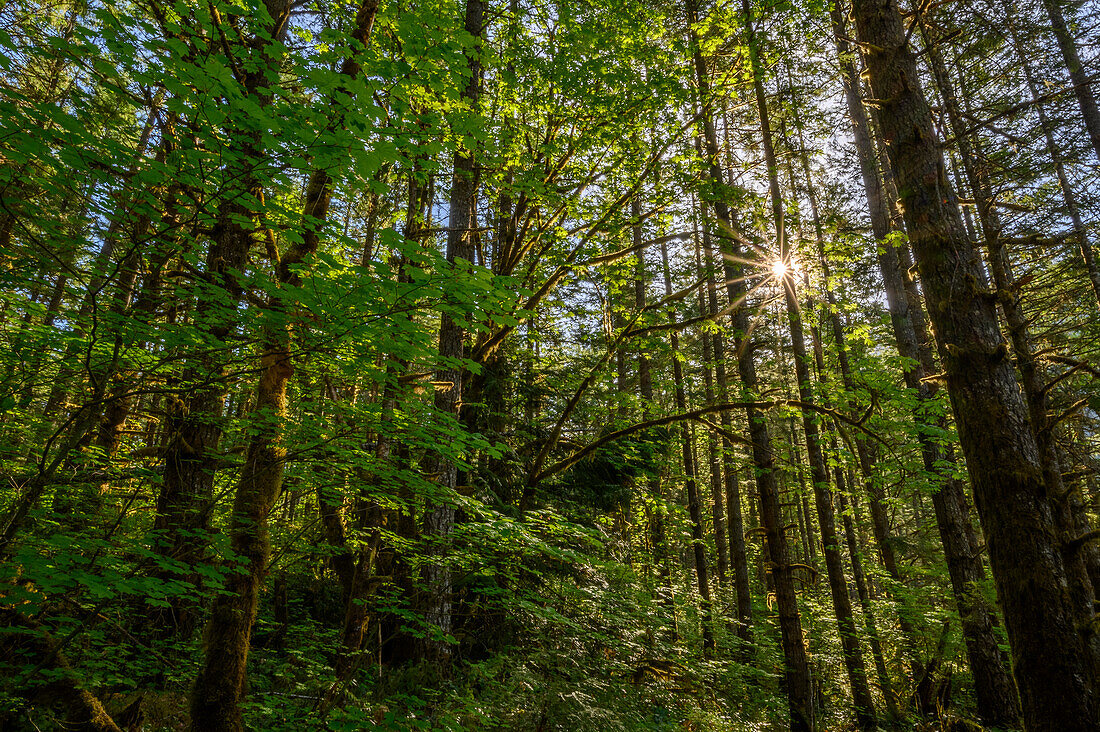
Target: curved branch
<point>568,462</point>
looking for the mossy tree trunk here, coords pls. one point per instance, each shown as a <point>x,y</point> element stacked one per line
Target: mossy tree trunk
<point>221,684</point>
<point>1051,667</point>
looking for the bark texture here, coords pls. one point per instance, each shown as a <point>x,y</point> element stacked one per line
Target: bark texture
<point>439,517</point>
<point>1002,457</point>
<point>995,690</point>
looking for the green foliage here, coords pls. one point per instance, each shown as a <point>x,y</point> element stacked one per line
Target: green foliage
<point>140,144</point>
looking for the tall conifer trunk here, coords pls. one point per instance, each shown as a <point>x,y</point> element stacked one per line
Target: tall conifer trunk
<point>439,516</point>
<point>826,513</point>
<point>1078,74</point>
<point>718,512</point>
<point>833,315</point>
<point>995,691</point>
<point>1066,504</point>
<point>735,523</point>
<point>691,487</point>
<point>797,673</point>
<point>657,534</point>
<point>1069,197</point>
<point>1051,668</point>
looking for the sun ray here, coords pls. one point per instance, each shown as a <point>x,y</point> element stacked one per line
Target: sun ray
<point>735,280</point>
<point>755,316</point>
<point>738,259</point>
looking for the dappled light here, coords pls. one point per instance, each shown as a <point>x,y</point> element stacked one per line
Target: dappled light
<point>514,365</point>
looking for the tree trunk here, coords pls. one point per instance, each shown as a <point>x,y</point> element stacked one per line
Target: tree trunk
<point>695,512</point>
<point>221,683</point>
<point>657,537</point>
<point>1065,503</point>
<point>375,561</point>
<point>1051,667</point>
<point>735,524</point>
<point>797,672</point>
<point>1068,195</point>
<point>881,673</point>
<point>801,500</point>
<point>718,512</point>
<point>1077,73</point>
<point>996,695</point>
<point>834,563</point>
<point>194,412</point>
<point>833,316</point>
<point>863,450</point>
<point>439,515</point>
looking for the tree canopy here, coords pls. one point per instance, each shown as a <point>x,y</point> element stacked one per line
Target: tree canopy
<point>506,364</point>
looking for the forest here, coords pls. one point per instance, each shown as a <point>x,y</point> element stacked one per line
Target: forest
<point>532,365</point>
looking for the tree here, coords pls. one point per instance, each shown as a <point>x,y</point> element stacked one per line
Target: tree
<point>490,364</point>
<point>993,424</point>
